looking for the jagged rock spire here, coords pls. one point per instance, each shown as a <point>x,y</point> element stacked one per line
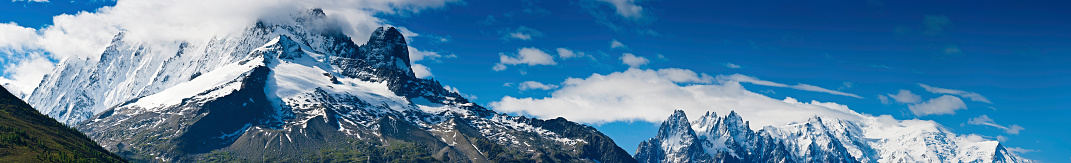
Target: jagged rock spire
<point>391,42</point>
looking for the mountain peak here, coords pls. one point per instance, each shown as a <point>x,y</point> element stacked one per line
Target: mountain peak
<point>676,125</point>
<point>317,12</point>
<point>390,43</point>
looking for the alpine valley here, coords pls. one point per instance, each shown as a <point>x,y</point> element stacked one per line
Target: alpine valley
<point>297,89</point>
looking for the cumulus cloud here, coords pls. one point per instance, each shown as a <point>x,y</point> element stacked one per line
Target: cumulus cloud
<point>528,56</point>
<point>805,87</point>
<point>26,74</point>
<point>23,64</point>
<point>566,53</point>
<point>884,99</point>
<point>16,38</point>
<point>731,65</point>
<point>614,44</point>
<point>986,121</point>
<point>419,55</point>
<point>633,61</point>
<point>906,97</point>
<point>654,94</point>
<point>420,70</point>
<point>937,106</point>
<point>626,8</point>
<point>969,95</point>
<point>533,85</point>
<point>521,33</point>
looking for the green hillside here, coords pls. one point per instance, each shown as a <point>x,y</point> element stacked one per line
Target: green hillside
<point>29,136</point>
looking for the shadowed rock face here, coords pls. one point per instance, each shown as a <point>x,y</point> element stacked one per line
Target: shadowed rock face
<point>339,110</point>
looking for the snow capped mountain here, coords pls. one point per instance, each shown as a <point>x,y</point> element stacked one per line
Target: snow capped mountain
<point>287,89</point>
<point>729,139</point>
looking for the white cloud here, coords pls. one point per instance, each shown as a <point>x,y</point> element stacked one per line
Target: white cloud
<point>654,94</point>
<point>937,106</point>
<point>626,8</point>
<point>499,67</point>
<point>418,55</point>
<point>985,120</point>
<point>973,137</point>
<point>520,36</point>
<point>522,33</point>
<point>805,87</point>
<point>23,66</point>
<point>884,99</point>
<point>30,0</point>
<point>533,85</point>
<point>1018,150</point>
<point>17,38</point>
<point>633,61</point>
<point>451,89</point>
<point>25,74</point>
<point>566,53</point>
<point>813,88</point>
<point>906,97</point>
<point>421,71</point>
<point>614,44</point>
<point>969,95</point>
<point>731,65</point>
<point>528,56</point>
<point>454,89</point>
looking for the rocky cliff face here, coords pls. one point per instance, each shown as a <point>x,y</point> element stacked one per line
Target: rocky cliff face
<point>289,89</point>
<point>730,139</point>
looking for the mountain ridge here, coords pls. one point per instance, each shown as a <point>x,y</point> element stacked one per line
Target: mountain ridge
<point>729,139</point>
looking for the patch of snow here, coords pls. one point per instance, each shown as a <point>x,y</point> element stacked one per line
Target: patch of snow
<point>223,76</point>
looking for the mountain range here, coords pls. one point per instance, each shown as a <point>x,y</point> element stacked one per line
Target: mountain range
<point>298,89</point>
<point>729,138</point>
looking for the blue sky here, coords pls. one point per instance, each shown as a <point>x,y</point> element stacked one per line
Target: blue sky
<point>1012,53</point>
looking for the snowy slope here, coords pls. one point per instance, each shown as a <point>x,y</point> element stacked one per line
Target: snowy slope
<point>822,139</point>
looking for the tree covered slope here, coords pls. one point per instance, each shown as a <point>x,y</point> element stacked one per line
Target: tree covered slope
<point>29,136</point>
